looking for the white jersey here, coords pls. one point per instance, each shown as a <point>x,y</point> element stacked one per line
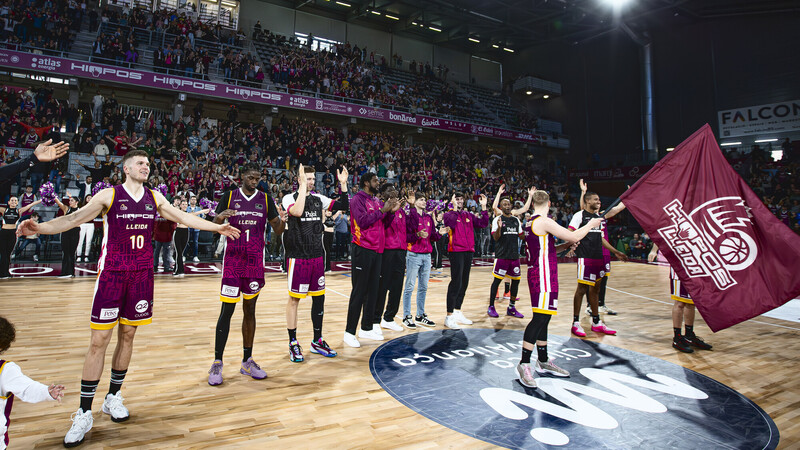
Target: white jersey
<point>13,383</point>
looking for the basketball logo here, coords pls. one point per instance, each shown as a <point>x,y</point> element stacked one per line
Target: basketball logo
<point>714,240</point>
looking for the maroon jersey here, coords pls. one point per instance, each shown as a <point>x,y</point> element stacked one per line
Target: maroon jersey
<point>128,232</point>
<point>541,259</point>
<point>244,257</point>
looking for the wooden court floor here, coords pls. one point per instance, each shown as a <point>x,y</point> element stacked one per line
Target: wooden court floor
<point>331,403</point>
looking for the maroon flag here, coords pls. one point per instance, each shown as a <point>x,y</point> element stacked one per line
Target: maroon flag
<point>736,259</point>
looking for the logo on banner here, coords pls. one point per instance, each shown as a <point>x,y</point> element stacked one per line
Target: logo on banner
<point>610,395</point>
<point>318,104</point>
<point>714,240</point>
<point>14,59</point>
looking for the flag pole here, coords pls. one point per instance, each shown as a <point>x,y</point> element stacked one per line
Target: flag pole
<point>611,206</point>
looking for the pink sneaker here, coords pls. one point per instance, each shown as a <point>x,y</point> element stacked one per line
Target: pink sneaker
<point>577,330</point>
<point>600,327</point>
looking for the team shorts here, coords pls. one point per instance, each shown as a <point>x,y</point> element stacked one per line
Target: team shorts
<point>506,268</point>
<point>125,297</point>
<point>590,271</point>
<point>306,277</point>
<point>677,289</point>
<point>608,266</point>
<point>233,289</point>
<point>544,302</point>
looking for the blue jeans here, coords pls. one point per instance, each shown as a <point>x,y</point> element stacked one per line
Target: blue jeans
<point>417,265</point>
<point>36,180</point>
<point>191,249</point>
<point>24,243</point>
<point>55,178</point>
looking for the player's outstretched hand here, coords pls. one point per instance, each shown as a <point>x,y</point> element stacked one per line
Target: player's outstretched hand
<point>584,187</point>
<point>229,231</point>
<point>342,175</point>
<point>47,151</point>
<point>56,391</point>
<point>531,190</point>
<point>27,228</point>
<point>621,256</point>
<point>483,201</point>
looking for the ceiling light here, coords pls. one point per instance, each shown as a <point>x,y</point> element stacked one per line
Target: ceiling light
<point>730,143</point>
<point>474,40</point>
<point>414,23</point>
<point>391,17</point>
<point>343,4</point>
<point>546,96</point>
<point>508,50</point>
<point>231,4</point>
<point>616,4</point>
<point>495,46</point>
<point>435,29</point>
<point>669,149</point>
<point>766,140</point>
<point>376,12</point>
<point>529,92</point>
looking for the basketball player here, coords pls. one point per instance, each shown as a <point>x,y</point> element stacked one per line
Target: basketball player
<point>517,213</point>
<point>591,268</point>
<point>368,219</point>
<point>542,262</point>
<point>506,231</point>
<point>248,210</point>
<point>124,287</point>
<point>305,255</point>
<point>601,296</point>
<point>682,312</point>
<point>462,226</point>
<point>393,266</point>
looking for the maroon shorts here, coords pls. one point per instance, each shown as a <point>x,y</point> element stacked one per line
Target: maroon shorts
<point>590,271</point>
<point>506,268</point>
<point>124,297</point>
<point>678,290</point>
<point>544,302</point>
<point>306,277</point>
<point>233,289</point>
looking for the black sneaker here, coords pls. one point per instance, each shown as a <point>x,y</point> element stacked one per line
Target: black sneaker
<point>423,320</point>
<point>680,343</point>
<point>408,321</point>
<point>695,341</point>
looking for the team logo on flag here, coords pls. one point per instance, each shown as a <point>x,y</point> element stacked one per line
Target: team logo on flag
<point>713,240</point>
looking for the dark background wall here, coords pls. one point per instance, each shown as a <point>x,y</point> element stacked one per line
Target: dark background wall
<point>700,66</point>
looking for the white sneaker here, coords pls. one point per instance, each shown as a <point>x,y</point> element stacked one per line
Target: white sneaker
<point>78,260</point>
<point>391,326</point>
<point>460,317</point>
<point>525,372</point>
<point>81,424</point>
<point>35,257</point>
<point>376,328</point>
<point>196,259</point>
<point>371,334</point>
<point>113,405</point>
<point>451,322</point>
<point>351,340</point>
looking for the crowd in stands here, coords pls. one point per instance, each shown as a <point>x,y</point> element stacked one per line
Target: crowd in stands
<point>42,27</point>
<point>350,71</point>
<point>194,156</point>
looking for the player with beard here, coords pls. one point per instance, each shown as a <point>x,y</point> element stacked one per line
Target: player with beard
<point>305,255</point>
<point>124,288</point>
<point>249,210</point>
<point>591,267</point>
<point>369,218</point>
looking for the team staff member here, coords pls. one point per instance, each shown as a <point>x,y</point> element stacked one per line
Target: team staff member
<point>368,220</point>
<point>393,266</point>
<point>461,247</point>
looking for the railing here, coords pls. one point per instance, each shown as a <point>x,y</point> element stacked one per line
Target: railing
<point>36,50</point>
<point>160,38</point>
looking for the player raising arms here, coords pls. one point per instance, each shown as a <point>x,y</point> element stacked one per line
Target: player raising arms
<point>249,210</point>
<point>543,283</point>
<point>124,289</point>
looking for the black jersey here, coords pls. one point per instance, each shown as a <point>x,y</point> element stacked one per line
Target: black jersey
<point>11,216</point>
<point>591,246</point>
<point>507,247</point>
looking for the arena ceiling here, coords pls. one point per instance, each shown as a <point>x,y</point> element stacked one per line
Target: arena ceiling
<point>486,26</point>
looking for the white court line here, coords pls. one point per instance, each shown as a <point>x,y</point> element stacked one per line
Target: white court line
<point>337,292</point>
<point>668,303</point>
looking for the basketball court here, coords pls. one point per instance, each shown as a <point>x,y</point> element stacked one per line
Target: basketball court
<point>369,398</point>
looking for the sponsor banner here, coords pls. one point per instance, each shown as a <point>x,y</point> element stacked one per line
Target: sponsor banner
<point>620,173</point>
<point>760,120</point>
<point>84,69</point>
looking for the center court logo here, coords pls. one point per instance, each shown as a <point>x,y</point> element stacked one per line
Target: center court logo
<point>714,240</point>
<point>615,398</point>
